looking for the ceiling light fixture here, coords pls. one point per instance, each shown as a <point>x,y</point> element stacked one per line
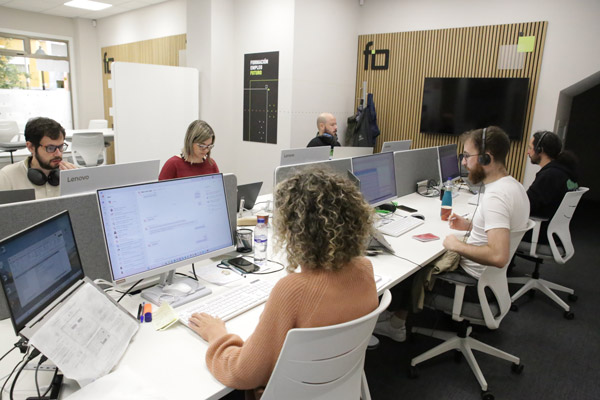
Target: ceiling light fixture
<point>88,5</point>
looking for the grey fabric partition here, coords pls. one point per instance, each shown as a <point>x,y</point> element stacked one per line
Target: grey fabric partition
<point>340,166</point>
<point>412,166</point>
<point>85,217</point>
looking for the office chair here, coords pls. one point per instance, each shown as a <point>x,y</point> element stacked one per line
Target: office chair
<point>88,149</point>
<point>559,252</point>
<point>486,312</point>
<point>325,362</point>
<point>98,124</point>
<point>8,130</point>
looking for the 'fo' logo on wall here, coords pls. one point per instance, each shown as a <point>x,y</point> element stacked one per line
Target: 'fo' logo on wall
<point>373,53</point>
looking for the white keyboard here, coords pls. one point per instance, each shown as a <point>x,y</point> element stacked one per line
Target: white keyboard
<point>399,225</point>
<point>231,303</point>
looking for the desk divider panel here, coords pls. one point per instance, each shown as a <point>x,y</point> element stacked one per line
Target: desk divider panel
<point>412,166</point>
<point>340,166</point>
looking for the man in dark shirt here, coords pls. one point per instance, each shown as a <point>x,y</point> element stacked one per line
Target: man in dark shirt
<point>556,177</point>
<point>327,135</point>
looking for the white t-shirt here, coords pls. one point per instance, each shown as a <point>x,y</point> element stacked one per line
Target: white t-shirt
<point>14,176</point>
<point>504,204</point>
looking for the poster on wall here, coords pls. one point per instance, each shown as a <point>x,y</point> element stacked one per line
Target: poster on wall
<point>261,87</point>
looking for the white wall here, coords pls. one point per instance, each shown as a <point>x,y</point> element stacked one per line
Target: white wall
<point>160,20</point>
<point>571,50</point>
<point>325,48</point>
<point>220,33</point>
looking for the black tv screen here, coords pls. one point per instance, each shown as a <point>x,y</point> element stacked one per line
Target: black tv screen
<point>456,105</point>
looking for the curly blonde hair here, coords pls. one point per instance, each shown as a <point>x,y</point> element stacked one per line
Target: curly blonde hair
<point>321,219</point>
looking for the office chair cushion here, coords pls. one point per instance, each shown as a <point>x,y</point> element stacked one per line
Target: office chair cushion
<point>542,250</point>
<point>470,310</point>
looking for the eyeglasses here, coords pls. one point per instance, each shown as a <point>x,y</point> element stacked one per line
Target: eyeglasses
<point>467,155</point>
<point>52,148</point>
<point>205,146</point>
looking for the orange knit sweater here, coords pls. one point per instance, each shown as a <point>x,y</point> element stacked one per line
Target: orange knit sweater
<point>307,299</point>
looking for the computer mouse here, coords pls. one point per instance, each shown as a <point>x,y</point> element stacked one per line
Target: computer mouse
<point>417,215</point>
<point>178,289</point>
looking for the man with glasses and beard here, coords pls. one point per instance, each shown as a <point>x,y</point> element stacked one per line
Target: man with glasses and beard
<point>40,171</point>
<point>503,208</point>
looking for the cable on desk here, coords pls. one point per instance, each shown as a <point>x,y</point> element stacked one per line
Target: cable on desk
<point>129,290</point>
<point>23,360</point>
<point>43,358</point>
<point>406,259</point>
<point>270,272</point>
<point>8,352</point>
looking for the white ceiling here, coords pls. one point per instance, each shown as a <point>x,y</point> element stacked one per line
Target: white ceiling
<point>56,7</point>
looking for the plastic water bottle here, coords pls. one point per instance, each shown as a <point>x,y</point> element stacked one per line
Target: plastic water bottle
<point>261,232</point>
<point>447,200</point>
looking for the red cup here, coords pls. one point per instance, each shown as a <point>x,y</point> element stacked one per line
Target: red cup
<point>446,211</point>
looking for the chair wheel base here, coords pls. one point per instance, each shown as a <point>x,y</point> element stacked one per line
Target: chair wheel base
<point>413,372</point>
<point>569,315</point>
<point>517,368</point>
<point>573,298</point>
<point>486,395</point>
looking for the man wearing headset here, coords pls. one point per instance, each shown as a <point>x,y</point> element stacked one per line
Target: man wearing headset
<point>40,171</point>
<point>557,176</point>
<point>501,209</point>
<point>327,135</point>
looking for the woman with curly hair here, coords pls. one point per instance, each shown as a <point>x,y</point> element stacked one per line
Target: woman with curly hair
<point>323,222</point>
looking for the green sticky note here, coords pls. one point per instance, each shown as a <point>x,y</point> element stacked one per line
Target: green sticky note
<point>526,44</point>
<point>372,51</point>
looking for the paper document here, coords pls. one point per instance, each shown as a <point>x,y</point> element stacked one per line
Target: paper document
<point>164,317</point>
<point>87,336</point>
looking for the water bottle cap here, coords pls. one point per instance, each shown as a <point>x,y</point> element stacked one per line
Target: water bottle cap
<point>260,220</point>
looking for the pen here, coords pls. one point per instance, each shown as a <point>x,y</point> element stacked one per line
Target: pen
<point>142,312</point>
<point>237,271</point>
<point>139,311</point>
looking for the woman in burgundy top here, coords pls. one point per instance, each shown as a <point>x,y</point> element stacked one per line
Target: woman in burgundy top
<point>195,156</point>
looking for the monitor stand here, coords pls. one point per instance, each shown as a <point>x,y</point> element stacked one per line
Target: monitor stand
<point>176,291</point>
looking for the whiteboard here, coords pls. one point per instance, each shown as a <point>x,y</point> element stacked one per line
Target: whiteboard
<point>152,108</point>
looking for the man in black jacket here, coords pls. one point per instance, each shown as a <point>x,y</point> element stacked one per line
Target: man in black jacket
<point>327,135</point>
<point>557,176</point>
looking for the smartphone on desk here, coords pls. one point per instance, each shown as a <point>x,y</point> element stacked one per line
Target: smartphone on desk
<point>406,208</point>
<point>243,264</point>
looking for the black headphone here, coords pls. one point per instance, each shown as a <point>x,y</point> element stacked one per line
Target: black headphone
<point>484,159</point>
<point>39,178</point>
<point>538,147</point>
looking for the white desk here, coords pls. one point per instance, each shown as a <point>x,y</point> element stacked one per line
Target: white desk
<point>172,361</point>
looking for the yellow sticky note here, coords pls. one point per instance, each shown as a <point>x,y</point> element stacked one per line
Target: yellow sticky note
<point>164,317</point>
<point>526,44</point>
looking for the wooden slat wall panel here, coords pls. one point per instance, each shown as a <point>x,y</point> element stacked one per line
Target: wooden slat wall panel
<point>161,51</point>
<point>457,52</point>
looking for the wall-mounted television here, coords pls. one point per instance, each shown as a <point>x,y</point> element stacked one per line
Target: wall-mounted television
<point>456,105</point>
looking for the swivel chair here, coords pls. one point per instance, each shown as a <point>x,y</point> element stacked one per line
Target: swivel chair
<point>88,149</point>
<point>325,362</point>
<point>486,312</point>
<point>560,251</point>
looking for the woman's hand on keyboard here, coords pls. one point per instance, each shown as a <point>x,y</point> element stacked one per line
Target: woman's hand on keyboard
<point>207,326</point>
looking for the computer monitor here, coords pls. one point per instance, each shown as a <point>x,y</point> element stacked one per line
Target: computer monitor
<point>377,177</point>
<point>247,194</point>
<point>37,266</point>
<point>399,145</point>
<point>349,152</point>
<point>154,228</point>
<point>305,155</point>
<point>87,180</point>
<point>448,162</point>
<point>16,195</point>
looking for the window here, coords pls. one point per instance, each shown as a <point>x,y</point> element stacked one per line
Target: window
<point>34,79</point>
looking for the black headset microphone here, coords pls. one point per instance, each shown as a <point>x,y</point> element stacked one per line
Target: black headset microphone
<point>39,178</point>
<point>484,159</point>
<point>538,147</point>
